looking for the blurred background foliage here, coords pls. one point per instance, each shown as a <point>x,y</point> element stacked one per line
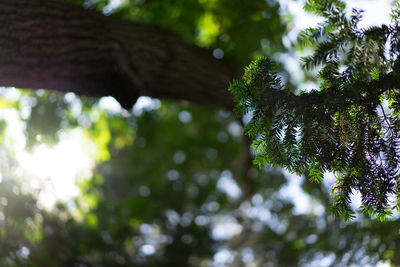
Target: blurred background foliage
<point>170,184</point>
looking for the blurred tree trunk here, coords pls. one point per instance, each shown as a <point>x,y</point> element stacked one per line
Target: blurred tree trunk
<point>58,46</point>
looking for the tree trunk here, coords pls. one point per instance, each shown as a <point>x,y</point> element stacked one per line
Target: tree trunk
<point>58,46</point>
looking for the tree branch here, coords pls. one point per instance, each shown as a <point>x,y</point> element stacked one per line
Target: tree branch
<point>58,46</point>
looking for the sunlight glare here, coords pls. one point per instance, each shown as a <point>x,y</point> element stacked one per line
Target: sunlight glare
<point>53,170</point>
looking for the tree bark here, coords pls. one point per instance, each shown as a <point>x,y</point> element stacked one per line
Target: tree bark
<point>58,46</point>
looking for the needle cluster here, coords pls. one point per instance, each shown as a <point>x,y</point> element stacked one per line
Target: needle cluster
<point>349,126</point>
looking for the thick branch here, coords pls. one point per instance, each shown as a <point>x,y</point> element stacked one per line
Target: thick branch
<point>58,46</point>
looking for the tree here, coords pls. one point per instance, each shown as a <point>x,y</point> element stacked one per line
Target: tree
<point>350,126</point>
<point>62,47</point>
<point>145,198</point>
<point>159,193</point>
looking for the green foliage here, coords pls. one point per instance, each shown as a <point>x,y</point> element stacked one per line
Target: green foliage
<point>211,24</point>
<point>134,200</point>
<point>350,126</point>
<point>158,179</point>
<point>153,170</point>
<point>37,129</point>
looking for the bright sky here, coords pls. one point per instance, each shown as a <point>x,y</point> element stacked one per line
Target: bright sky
<point>376,12</point>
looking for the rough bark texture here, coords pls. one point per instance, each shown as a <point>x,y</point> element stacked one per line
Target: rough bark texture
<point>58,46</point>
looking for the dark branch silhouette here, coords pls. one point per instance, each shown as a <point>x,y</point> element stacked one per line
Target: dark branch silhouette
<point>59,46</point>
